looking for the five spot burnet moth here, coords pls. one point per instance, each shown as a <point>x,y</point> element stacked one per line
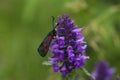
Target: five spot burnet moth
<point>44,46</point>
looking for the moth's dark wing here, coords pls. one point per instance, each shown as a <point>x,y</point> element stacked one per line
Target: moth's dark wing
<point>43,50</point>
<point>44,46</point>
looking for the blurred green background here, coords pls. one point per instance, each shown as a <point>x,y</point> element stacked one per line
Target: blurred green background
<point>25,23</point>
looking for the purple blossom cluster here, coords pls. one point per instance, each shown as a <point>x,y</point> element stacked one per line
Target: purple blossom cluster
<point>102,71</point>
<point>68,47</point>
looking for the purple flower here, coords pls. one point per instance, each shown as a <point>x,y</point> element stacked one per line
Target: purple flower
<point>55,66</point>
<point>102,71</point>
<point>68,46</point>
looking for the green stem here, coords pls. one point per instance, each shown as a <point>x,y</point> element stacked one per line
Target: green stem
<point>87,73</point>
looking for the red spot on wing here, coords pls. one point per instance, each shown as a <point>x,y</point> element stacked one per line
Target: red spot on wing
<point>45,50</point>
<point>45,44</point>
<point>50,37</point>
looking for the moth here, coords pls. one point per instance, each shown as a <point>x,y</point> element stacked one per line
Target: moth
<point>44,46</point>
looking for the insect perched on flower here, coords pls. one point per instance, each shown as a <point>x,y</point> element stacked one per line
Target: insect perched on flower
<point>68,47</point>
<point>44,46</point>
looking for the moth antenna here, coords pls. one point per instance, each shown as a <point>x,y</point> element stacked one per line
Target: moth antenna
<point>53,19</point>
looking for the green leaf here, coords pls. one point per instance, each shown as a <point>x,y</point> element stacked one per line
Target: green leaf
<point>47,63</point>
